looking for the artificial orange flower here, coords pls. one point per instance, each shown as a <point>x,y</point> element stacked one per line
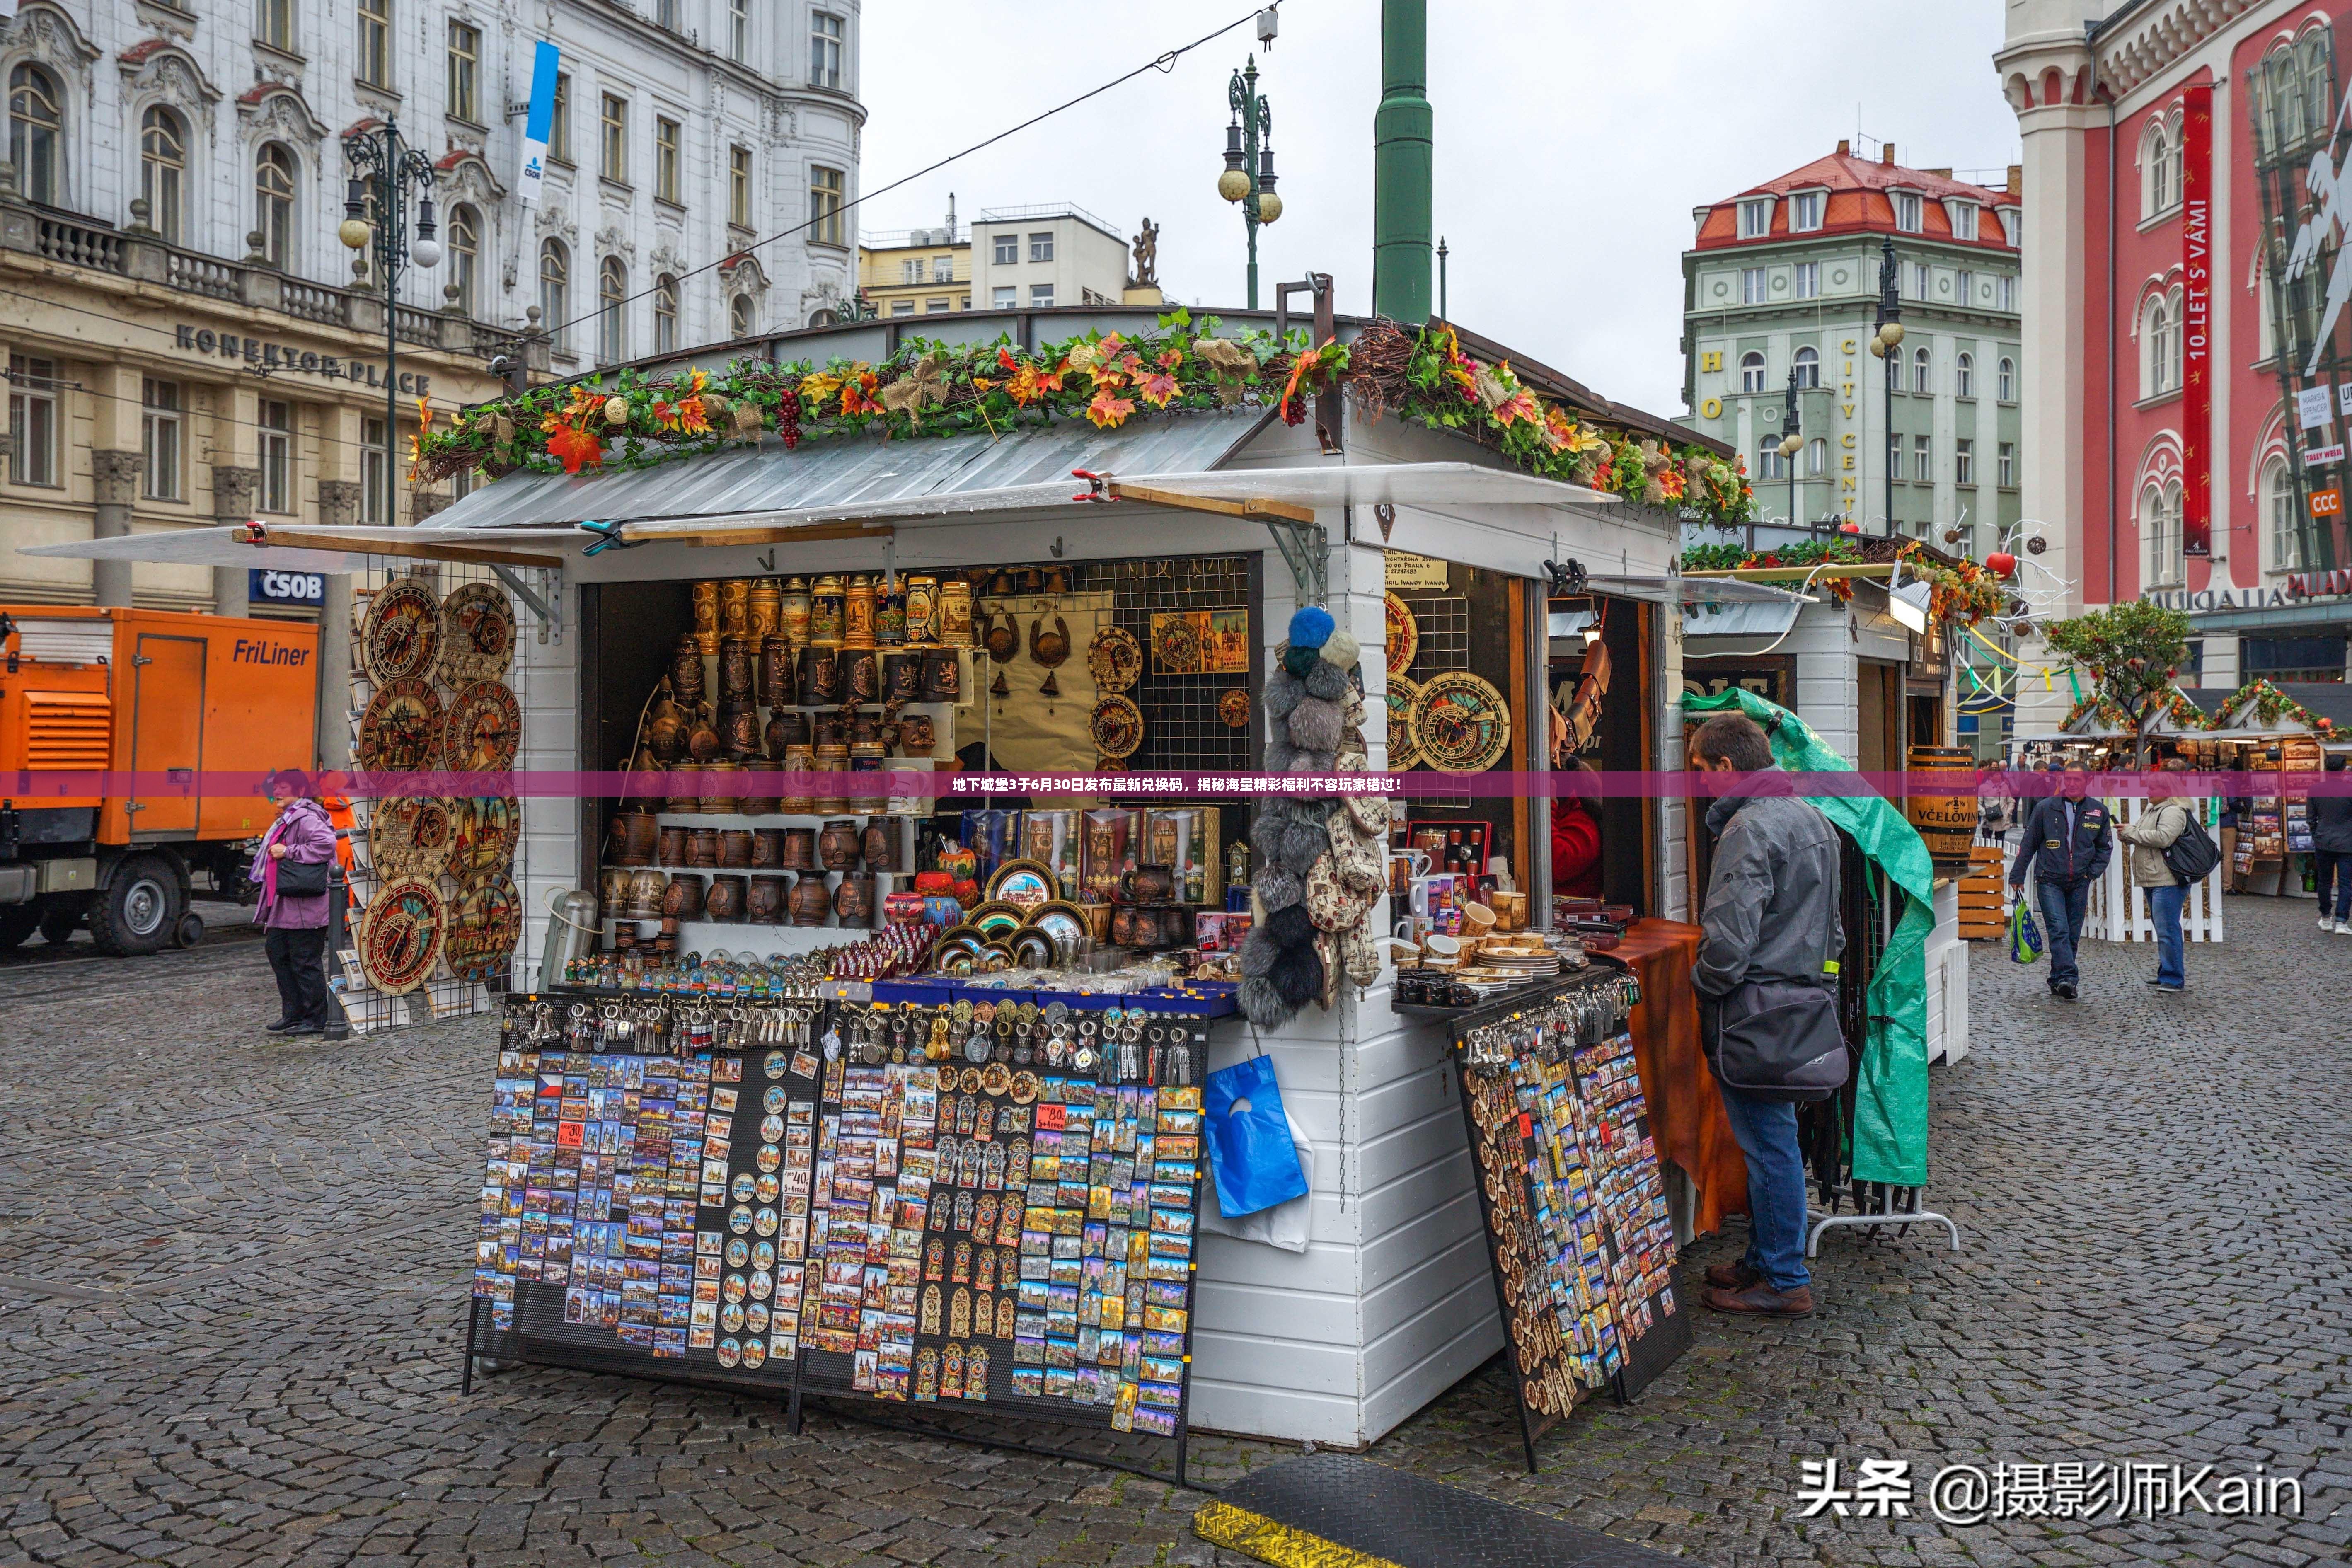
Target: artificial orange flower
<point>575,447</point>
<point>1005,360</point>
<point>857,395</point>
<point>1109,412</point>
<point>1156,387</point>
<point>1520,404</point>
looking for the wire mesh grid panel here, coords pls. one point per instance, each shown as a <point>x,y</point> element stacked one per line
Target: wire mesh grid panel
<point>451,866</point>
<point>1444,623</point>
<point>1187,727</point>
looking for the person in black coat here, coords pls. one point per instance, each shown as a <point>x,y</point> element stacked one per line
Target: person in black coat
<point>2069,838</point>
<point>2331,846</point>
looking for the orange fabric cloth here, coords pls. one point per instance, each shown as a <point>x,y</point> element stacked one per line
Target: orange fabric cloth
<point>1686,1120</point>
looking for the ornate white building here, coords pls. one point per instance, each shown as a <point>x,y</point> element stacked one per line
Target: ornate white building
<point>187,339</point>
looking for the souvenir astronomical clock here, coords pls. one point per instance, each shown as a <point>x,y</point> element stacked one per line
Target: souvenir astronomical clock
<point>439,732</point>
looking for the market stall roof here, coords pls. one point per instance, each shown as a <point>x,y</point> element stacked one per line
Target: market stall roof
<point>324,549</point>
<point>2328,699</point>
<point>859,476</point>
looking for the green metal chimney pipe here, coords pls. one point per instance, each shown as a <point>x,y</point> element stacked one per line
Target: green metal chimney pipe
<point>1402,173</point>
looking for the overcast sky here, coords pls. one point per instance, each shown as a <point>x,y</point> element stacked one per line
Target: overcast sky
<point>1573,138</point>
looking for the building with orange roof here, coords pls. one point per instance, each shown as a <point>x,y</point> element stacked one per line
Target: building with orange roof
<point>1784,280</point>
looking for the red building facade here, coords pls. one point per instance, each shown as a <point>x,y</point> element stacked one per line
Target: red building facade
<point>2184,441</point>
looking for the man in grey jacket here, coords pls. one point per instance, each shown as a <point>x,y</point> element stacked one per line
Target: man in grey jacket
<point>1772,913</point>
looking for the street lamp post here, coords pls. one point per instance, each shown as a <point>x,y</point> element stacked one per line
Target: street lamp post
<point>1792,441</point>
<point>1249,161</point>
<point>1883,342</point>
<point>382,172</point>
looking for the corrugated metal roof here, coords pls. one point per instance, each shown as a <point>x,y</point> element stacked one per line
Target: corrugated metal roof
<point>849,472</point>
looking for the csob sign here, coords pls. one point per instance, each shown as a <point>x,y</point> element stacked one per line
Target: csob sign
<point>269,586</point>
<point>269,357</point>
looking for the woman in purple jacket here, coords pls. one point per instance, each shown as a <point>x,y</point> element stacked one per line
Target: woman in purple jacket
<point>295,928</point>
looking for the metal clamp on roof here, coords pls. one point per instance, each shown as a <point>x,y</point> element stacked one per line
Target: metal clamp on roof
<point>1300,539</point>
<point>608,537</point>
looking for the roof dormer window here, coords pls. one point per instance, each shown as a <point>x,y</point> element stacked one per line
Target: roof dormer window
<point>1755,218</point>
<point>1806,210</point>
<point>2012,225</point>
<point>1906,211</point>
<point>1964,219</point>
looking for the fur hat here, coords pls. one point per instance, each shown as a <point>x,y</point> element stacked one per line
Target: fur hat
<point>1297,975</point>
<point>1328,682</point>
<point>1304,840</point>
<point>1277,888</point>
<point>1257,955</point>
<point>1266,832</point>
<point>1262,1004</point>
<point>1290,927</point>
<point>1342,648</point>
<point>1301,661</point>
<point>1310,627</point>
<point>1282,693</point>
<point>1315,725</point>
<point>1280,755</point>
<point>1306,762</point>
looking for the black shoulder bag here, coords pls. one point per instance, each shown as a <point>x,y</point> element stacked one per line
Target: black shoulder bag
<point>302,879</point>
<point>1777,1039</point>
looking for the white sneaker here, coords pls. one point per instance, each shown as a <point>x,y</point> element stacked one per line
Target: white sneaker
<point>2325,923</point>
<point>2343,928</point>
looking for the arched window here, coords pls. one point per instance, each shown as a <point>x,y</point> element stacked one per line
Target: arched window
<point>2156,189</point>
<point>464,254</point>
<point>273,203</point>
<point>2278,504</point>
<point>1922,373</point>
<point>821,318</point>
<point>612,288</point>
<point>2162,565</point>
<point>665,315</point>
<point>162,168</point>
<point>1964,376</point>
<point>36,134</point>
<point>2007,384</point>
<point>744,317</point>
<point>555,293</point>
<point>2160,348</point>
<point>1751,372</point>
<point>1817,459</point>
<point>1809,369</point>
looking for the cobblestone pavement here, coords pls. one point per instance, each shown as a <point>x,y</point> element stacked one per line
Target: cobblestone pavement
<point>231,1274</point>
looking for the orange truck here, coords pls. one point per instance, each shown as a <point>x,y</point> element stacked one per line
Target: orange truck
<point>161,702</point>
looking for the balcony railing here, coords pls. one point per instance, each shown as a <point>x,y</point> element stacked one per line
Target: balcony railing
<point>136,253</point>
<point>58,240</point>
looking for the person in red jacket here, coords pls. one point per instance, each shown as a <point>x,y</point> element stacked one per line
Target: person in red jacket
<point>1575,833</point>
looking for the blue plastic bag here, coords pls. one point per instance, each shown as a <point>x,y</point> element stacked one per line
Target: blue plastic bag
<point>1250,1152</point>
<point>2025,944</point>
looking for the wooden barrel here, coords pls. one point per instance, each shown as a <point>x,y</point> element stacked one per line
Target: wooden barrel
<point>1946,822</point>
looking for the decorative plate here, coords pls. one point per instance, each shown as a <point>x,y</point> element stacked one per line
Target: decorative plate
<point>1033,949</point>
<point>1061,920</point>
<point>993,958</point>
<point>1115,659</point>
<point>1233,708</point>
<point>1026,883</point>
<point>482,834</point>
<point>477,625</point>
<point>1404,636</point>
<point>400,936</point>
<point>1459,722</point>
<point>483,730</point>
<point>1116,727</point>
<point>1404,749</point>
<point>403,635</point>
<point>998,919</point>
<point>954,955</point>
<point>487,924</point>
<point>410,835</point>
<point>401,731</point>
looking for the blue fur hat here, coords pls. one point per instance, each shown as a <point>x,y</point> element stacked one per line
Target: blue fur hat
<point>1310,627</point>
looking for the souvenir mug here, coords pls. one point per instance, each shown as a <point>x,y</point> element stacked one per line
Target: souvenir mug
<point>721,782</point>
<point>860,681</point>
<point>800,849</point>
<point>881,845</point>
<point>857,613</point>
<point>706,616</point>
<point>839,847</point>
<point>1147,884</point>
<point>766,907</point>
<point>916,737</point>
<point>768,848</point>
<point>682,900</point>
<point>943,673</point>
<point>1123,926</point>
<point>673,845</point>
<point>853,901</point>
<point>824,612</point>
<point>735,847</point>
<point>739,727</point>
<point>953,617</point>
<point>800,761</point>
<point>809,901</point>
<point>702,846</point>
<point>738,668</point>
<point>735,607</point>
<point>786,730</point>
<point>776,672</point>
<point>922,608</point>
<point>685,787</point>
<point>820,680</point>
<point>646,889</point>
<point>766,609</point>
<point>725,902</point>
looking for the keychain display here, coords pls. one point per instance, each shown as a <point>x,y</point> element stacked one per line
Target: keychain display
<point>990,1203</point>
<point>1582,1246</point>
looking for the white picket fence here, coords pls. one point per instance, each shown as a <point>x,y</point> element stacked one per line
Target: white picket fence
<point>2119,911</point>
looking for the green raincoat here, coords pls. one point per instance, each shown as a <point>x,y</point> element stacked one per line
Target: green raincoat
<point>1890,1111</point>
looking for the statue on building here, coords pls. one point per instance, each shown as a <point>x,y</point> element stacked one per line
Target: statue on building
<point>1147,257</point>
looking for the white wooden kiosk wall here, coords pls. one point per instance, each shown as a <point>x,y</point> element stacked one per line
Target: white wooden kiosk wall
<point>1392,1301</point>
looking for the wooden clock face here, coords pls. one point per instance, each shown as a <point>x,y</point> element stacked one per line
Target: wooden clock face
<point>401,935</point>
<point>403,635</point>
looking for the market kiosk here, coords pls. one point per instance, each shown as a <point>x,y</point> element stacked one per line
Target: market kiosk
<point>1198,534</point>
